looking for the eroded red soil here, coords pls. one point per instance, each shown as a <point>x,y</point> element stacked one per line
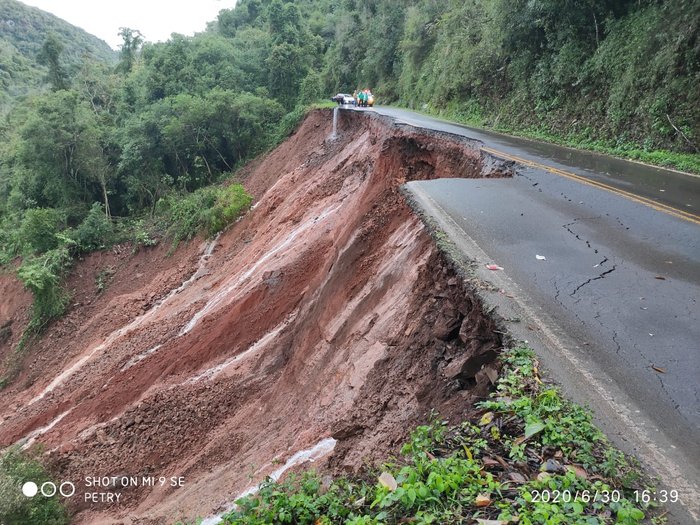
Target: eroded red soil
<point>325,312</point>
<point>15,307</point>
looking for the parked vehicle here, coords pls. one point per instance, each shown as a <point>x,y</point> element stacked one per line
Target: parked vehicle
<point>343,99</point>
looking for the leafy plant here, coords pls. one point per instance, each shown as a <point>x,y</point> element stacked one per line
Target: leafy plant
<point>42,276</point>
<point>231,202</point>
<point>95,232</point>
<point>37,233</point>
<point>16,468</point>
<point>208,209</point>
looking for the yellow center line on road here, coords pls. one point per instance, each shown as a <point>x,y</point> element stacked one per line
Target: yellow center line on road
<point>681,214</point>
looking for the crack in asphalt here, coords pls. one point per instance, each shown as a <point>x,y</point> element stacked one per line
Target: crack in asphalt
<point>521,173</point>
<point>556,287</point>
<point>659,376</point>
<point>619,221</point>
<point>601,276</point>
<point>617,343</point>
<point>568,225</point>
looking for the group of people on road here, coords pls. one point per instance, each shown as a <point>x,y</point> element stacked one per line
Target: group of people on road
<point>363,98</point>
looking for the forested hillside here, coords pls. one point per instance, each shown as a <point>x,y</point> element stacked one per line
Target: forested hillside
<point>620,74</point>
<point>623,73</point>
<point>127,152</point>
<point>23,30</point>
<point>110,152</point>
<point>145,148</point>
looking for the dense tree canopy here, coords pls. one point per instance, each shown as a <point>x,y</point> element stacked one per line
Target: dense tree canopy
<point>23,33</point>
<point>97,146</point>
<point>622,71</point>
<point>173,117</point>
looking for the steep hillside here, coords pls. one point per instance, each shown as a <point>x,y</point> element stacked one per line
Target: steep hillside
<point>23,30</point>
<point>615,76</point>
<point>326,316</point>
<point>176,116</point>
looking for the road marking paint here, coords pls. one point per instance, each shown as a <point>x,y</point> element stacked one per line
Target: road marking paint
<point>680,214</point>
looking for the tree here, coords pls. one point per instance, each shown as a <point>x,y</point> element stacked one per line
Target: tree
<point>132,40</point>
<point>311,88</point>
<point>285,71</point>
<point>50,55</point>
<point>39,228</point>
<point>186,141</point>
<point>60,157</point>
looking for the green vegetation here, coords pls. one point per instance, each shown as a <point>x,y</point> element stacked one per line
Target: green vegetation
<point>16,468</point>
<point>42,276</point>
<point>614,77</point>
<point>687,162</point>
<point>526,448</point>
<point>98,149</point>
<point>135,151</point>
<point>110,146</point>
<point>619,77</point>
<point>207,209</point>
<point>48,245</point>
<point>23,34</point>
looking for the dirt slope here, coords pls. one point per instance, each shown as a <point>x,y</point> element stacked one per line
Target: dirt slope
<point>326,312</point>
<point>14,313</point>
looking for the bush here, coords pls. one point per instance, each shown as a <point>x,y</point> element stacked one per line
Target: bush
<point>10,245</point>
<point>38,230</point>
<point>183,214</point>
<point>230,204</point>
<point>208,209</point>
<point>95,232</point>
<point>140,234</point>
<point>42,276</point>
<point>447,474</point>
<point>16,468</point>
<point>289,123</point>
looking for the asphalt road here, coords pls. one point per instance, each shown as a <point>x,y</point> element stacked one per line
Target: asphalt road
<point>667,188</point>
<point>617,272</point>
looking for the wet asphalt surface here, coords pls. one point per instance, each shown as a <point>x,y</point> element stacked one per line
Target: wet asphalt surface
<point>657,184</point>
<point>621,278</point>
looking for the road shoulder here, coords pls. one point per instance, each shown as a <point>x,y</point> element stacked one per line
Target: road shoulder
<point>580,378</point>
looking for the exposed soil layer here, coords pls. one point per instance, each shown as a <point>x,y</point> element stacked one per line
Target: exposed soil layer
<point>325,312</point>
<point>15,307</point>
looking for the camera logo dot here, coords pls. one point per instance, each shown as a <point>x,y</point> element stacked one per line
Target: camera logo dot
<point>30,489</point>
<point>48,489</point>
<point>67,489</point>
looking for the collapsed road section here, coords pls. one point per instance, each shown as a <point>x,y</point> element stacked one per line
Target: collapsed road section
<point>326,314</point>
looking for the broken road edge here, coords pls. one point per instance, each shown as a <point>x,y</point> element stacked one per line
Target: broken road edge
<point>523,455</point>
